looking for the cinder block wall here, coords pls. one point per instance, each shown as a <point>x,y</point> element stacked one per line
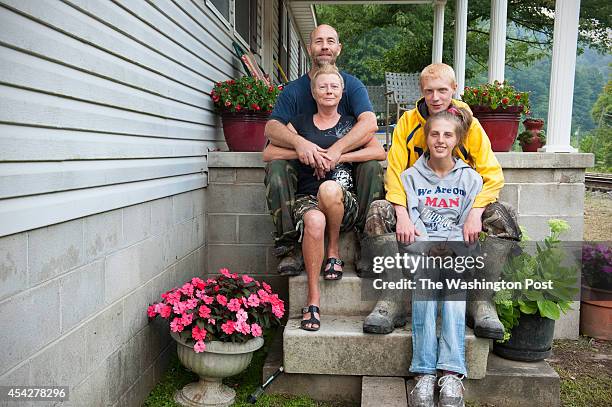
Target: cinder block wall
<point>73,298</point>
<point>540,186</point>
<point>239,226</point>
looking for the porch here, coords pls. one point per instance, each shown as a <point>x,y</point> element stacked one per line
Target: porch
<point>109,196</point>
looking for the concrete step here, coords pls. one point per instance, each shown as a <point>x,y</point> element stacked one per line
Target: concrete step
<point>510,383</point>
<point>383,391</point>
<point>507,383</point>
<point>341,348</point>
<point>341,297</point>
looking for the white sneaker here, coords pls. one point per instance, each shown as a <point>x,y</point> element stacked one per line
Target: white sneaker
<point>451,391</point>
<point>423,393</point>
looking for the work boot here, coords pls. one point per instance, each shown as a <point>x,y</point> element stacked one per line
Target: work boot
<point>423,393</point>
<point>499,222</point>
<point>291,264</point>
<point>363,258</point>
<point>391,308</point>
<point>451,391</point>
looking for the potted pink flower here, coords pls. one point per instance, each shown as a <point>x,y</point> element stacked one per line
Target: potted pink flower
<point>217,323</point>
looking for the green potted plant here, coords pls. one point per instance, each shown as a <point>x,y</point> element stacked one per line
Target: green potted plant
<point>244,106</point>
<point>498,108</point>
<point>217,325</point>
<point>545,289</point>
<point>531,140</point>
<point>596,299</point>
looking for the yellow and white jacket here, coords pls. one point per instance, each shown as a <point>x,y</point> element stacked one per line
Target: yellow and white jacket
<point>409,144</point>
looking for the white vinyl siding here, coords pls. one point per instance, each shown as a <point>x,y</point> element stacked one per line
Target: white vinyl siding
<point>293,56</point>
<point>105,104</point>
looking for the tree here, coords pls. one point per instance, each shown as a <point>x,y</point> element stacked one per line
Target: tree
<point>599,140</point>
<point>399,37</point>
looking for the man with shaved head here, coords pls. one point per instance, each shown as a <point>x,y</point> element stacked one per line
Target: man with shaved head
<point>281,175</point>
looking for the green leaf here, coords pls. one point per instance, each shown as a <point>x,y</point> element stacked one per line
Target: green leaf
<point>549,309</point>
<point>530,307</point>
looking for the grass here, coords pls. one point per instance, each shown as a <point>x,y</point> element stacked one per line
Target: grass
<point>245,383</point>
<point>585,391</point>
<point>585,369</point>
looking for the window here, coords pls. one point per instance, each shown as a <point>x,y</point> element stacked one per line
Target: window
<point>223,8</point>
<point>246,21</point>
<point>240,16</point>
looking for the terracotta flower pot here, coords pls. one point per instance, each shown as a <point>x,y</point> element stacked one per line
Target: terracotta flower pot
<point>534,125</point>
<point>596,313</point>
<point>244,131</point>
<point>532,146</point>
<point>501,125</point>
<point>219,360</point>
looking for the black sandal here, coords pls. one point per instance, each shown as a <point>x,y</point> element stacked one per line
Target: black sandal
<point>312,309</point>
<point>331,270</point>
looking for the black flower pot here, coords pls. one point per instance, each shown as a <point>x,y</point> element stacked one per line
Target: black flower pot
<point>531,339</point>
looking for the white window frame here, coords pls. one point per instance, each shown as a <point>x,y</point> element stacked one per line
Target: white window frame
<point>242,41</point>
<point>235,32</point>
<point>225,22</point>
<point>231,24</point>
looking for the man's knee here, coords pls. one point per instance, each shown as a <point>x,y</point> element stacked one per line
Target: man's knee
<point>380,218</point>
<point>380,207</point>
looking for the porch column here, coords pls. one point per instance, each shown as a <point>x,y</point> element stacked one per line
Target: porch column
<point>461,7</point>
<point>497,40</point>
<point>565,41</point>
<point>438,33</point>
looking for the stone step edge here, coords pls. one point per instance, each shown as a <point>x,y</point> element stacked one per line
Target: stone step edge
<point>383,391</point>
<point>349,388</point>
<point>344,332</point>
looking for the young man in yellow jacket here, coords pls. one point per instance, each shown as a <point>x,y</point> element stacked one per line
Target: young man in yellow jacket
<point>388,219</point>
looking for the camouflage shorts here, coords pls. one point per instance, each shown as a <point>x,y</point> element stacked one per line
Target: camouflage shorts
<point>304,203</point>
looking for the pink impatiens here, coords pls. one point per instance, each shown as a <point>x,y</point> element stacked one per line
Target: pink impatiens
<point>198,334</point>
<point>199,346</point>
<point>204,311</point>
<point>253,300</point>
<point>230,307</point>
<point>256,330</point>
<point>176,326</point>
<point>228,327</point>
<point>234,304</point>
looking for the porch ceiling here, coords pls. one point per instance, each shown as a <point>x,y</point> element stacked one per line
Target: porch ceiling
<point>306,19</point>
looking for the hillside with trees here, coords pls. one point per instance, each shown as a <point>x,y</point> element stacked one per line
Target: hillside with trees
<point>398,38</point>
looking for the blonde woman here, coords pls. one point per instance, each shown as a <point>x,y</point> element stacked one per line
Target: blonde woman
<point>325,203</point>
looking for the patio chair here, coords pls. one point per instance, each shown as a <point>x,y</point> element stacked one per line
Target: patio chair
<point>402,90</point>
<point>377,97</point>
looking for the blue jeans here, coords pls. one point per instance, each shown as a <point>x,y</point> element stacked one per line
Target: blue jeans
<point>430,353</point>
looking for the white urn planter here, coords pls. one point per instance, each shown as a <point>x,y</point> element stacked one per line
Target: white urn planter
<point>219,360</point>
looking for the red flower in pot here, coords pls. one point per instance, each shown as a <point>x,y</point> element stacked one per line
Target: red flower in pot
<point>244,105</point>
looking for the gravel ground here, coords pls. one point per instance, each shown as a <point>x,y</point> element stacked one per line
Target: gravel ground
<point>597,216</point>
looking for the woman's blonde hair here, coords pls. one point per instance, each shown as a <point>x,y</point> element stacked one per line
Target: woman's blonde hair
<point>325,69</point>
<point>461,117</point>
